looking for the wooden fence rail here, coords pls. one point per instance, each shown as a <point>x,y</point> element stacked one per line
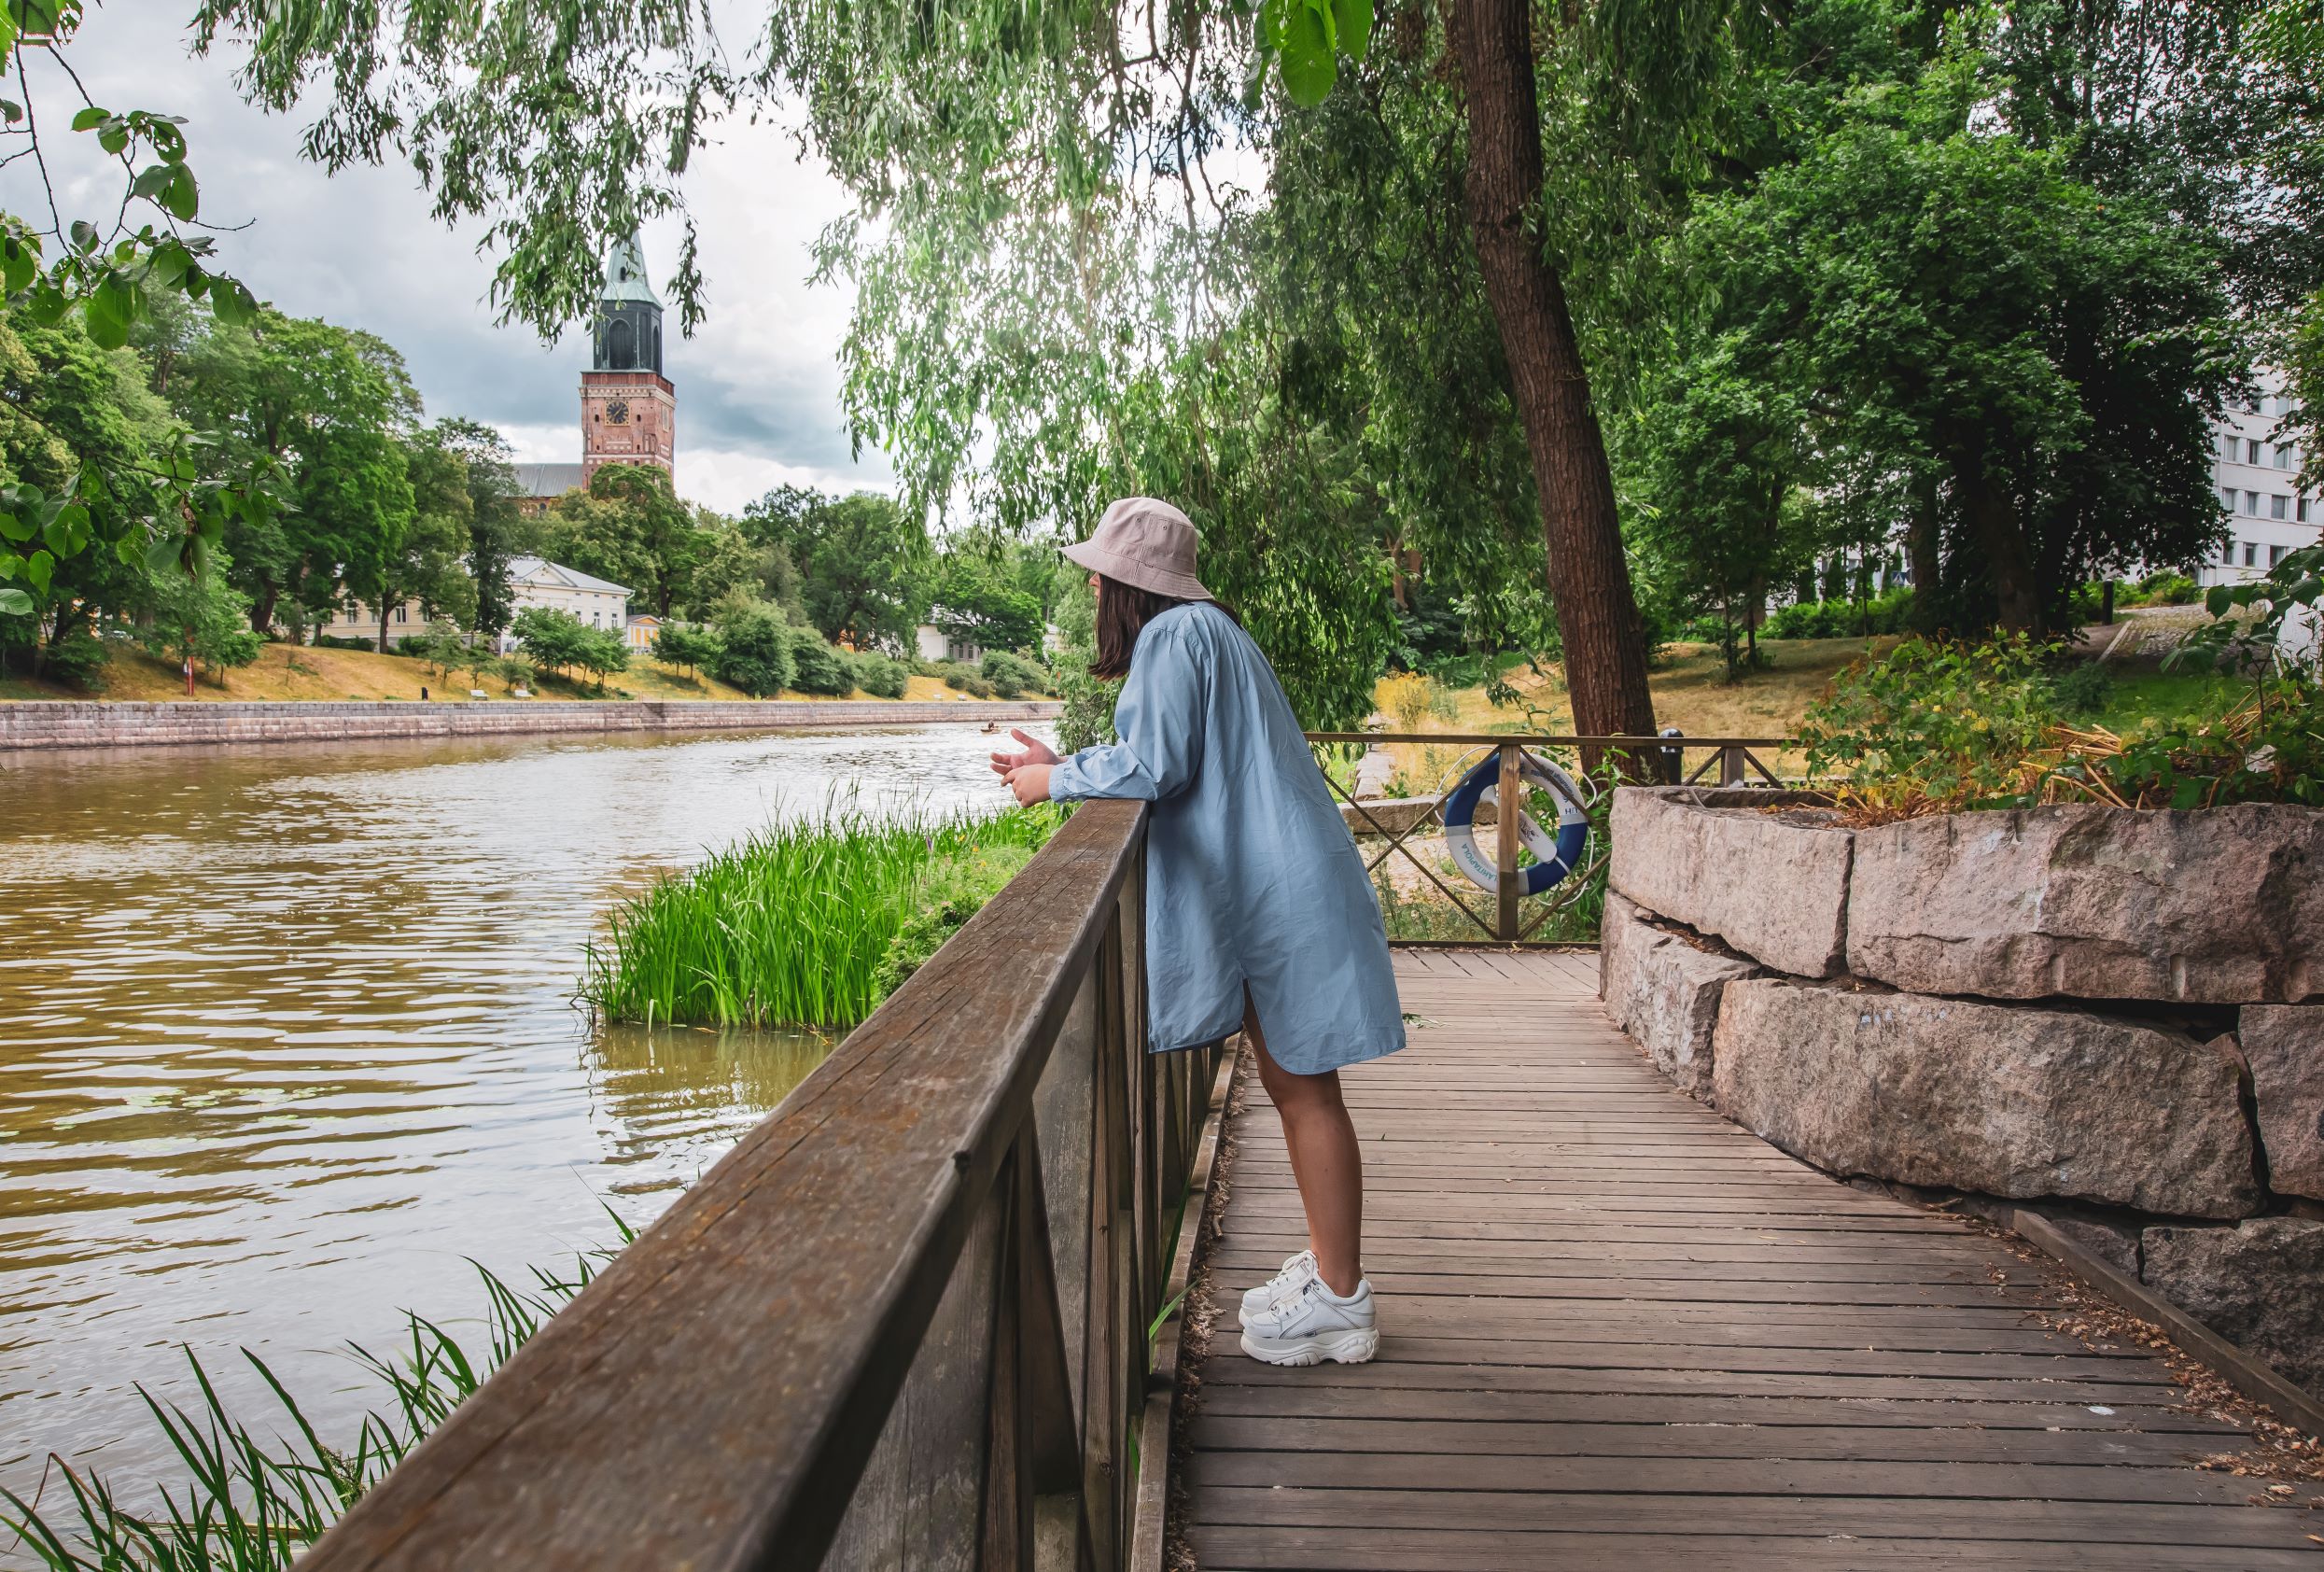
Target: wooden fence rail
<point>906,1322</point>
<point>1734,757</point>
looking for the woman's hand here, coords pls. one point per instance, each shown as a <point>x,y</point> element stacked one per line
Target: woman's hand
<point>1036,752</point>
<point>1030,783</point>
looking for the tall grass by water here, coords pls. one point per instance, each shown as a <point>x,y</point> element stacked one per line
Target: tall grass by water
<point>806,923</point>
<point>253,1499</point>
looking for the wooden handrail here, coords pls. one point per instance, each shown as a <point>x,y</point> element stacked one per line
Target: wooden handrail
<point>1485,739</point>
<point>902,1322</point>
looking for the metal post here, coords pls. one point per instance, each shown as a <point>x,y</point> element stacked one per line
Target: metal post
<point>1730,766</point>
<point>1508,800</point>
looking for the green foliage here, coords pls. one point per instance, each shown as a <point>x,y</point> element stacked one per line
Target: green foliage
<point>2164,588</point>
<point>1012,676</point>
<point>862,560</point>
<point>881,676</point>
<point>961,678</point>
<point>753,648</point>
<point>1943,726</point>
<point>557,641</point>
<point>2082,689</point>
<point>1890,612</point>
<point>2288,590</point>
<point>630,527</point>
<point>793,925</point>
<point>817,666</point>
<point>977,597</point>
<point>693,649</point>
<point>203,618</point>
<point>1935,721</point>
<point>954,891</point>
<point>253,1499</point>
<point>77,660</point>
<point>439,644</point>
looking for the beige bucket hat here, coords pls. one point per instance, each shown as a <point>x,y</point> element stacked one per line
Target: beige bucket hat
<point>1147,544</point>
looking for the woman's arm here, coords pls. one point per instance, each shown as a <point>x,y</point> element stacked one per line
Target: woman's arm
<point>1160,719</point>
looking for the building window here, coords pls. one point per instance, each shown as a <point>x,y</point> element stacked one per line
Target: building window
<point>399,613</point>
<point>2278,507</point>
<point>2251,450</point>
<point>2283,455</point>
<point>2227,448</point>
<point>2300,511</point>
<point>2275,555</point>
<point>2227,555</point>
<point>2252,554</point>
<point>2227,498</point>
<point>2251,503</point>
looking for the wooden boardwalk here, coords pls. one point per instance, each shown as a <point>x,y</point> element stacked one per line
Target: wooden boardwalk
<point>1619,1332</point>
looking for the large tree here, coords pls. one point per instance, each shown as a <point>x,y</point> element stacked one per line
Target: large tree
<point>332,408</point>
<point>1051,237</point>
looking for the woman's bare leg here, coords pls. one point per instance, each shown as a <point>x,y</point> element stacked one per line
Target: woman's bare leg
<point>1325,1161</point>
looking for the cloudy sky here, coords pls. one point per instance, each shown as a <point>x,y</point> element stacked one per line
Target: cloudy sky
<point>757,387</point>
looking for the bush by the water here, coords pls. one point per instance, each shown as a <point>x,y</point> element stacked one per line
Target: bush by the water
<point>753,650</point>
<point>962,678</point>
<point>881,676</point>
<point>955,891</point>
<point>1012,676</point>
<point>793,925</point>
<point>817,666</point>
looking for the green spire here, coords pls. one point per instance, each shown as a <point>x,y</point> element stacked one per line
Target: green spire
<point>625,274</point>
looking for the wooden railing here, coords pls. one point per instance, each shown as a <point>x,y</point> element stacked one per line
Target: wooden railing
<point>1734,757</point>
<point>906,1322</point>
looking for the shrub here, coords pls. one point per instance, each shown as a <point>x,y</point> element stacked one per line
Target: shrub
<point>2169,589</point>
<point>1012,676</point>
<point>817,666</point>
<point>694,649</point>
<point>965,679</point>
<point>1933,721</point>
<point>333,641</point>
<point>2082,688</point>
<point>879,676</point>
<point>1887,612</point>
<point>514,670</point>
<point>77,661</point>
<point>754,651</point>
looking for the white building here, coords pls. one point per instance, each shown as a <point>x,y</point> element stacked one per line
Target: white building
<point>2257,480</point>
<point>536,582</point>
<point>934,644</point>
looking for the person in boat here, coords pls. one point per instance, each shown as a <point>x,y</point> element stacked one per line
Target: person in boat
<point>1259,915</point>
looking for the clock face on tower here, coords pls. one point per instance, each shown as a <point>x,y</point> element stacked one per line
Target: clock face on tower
<point>617,411</point>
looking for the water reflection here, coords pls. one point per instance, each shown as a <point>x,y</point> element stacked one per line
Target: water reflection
<point>287,1041</point>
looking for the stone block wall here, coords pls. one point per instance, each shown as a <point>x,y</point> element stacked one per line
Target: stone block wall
<point>93,723</point>
<point>2117,1013</point>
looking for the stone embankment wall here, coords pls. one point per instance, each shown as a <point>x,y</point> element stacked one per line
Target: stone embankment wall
<point>94,724</point>
<point>2115,1017</point>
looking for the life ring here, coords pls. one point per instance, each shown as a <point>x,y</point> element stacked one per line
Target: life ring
<point>1554,857</point>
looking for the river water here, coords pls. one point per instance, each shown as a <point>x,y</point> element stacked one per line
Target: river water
<point>286,1040</point>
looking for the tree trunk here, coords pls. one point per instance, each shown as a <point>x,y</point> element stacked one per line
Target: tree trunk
<point>1993,524</point>
<point>263,608</point>
<point>1924,549</point>
<point>1606,646</point>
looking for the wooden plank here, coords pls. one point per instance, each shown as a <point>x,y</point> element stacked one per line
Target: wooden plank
<point>1619,1331</point>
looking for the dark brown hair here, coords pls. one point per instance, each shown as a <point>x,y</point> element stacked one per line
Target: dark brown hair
<point>1123,613</point>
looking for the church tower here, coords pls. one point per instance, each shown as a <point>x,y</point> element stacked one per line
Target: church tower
<point>629,410</point>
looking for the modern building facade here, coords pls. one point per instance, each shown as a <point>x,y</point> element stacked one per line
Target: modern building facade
<point>2258,481</point>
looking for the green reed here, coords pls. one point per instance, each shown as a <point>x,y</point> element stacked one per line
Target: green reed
<point>791,926</point>
<point>251,1501</point>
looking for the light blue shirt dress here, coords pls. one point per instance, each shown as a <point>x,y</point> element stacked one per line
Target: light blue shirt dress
<point>1251,877</point>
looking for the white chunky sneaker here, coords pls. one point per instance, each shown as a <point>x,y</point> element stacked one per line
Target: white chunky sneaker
<point>1312,1324</point>
<point>1297,1270</point>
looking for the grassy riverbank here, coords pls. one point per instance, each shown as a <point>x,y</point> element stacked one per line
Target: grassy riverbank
<point>810,923</point>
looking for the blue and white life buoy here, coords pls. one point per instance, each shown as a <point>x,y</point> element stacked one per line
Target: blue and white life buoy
<point>1554,857</point>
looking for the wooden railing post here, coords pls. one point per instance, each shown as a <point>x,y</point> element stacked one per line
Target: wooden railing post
<point>1732,765</point>
<point>1508,803</point>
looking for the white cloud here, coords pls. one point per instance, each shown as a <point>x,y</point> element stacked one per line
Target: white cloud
<point>757,387</point>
